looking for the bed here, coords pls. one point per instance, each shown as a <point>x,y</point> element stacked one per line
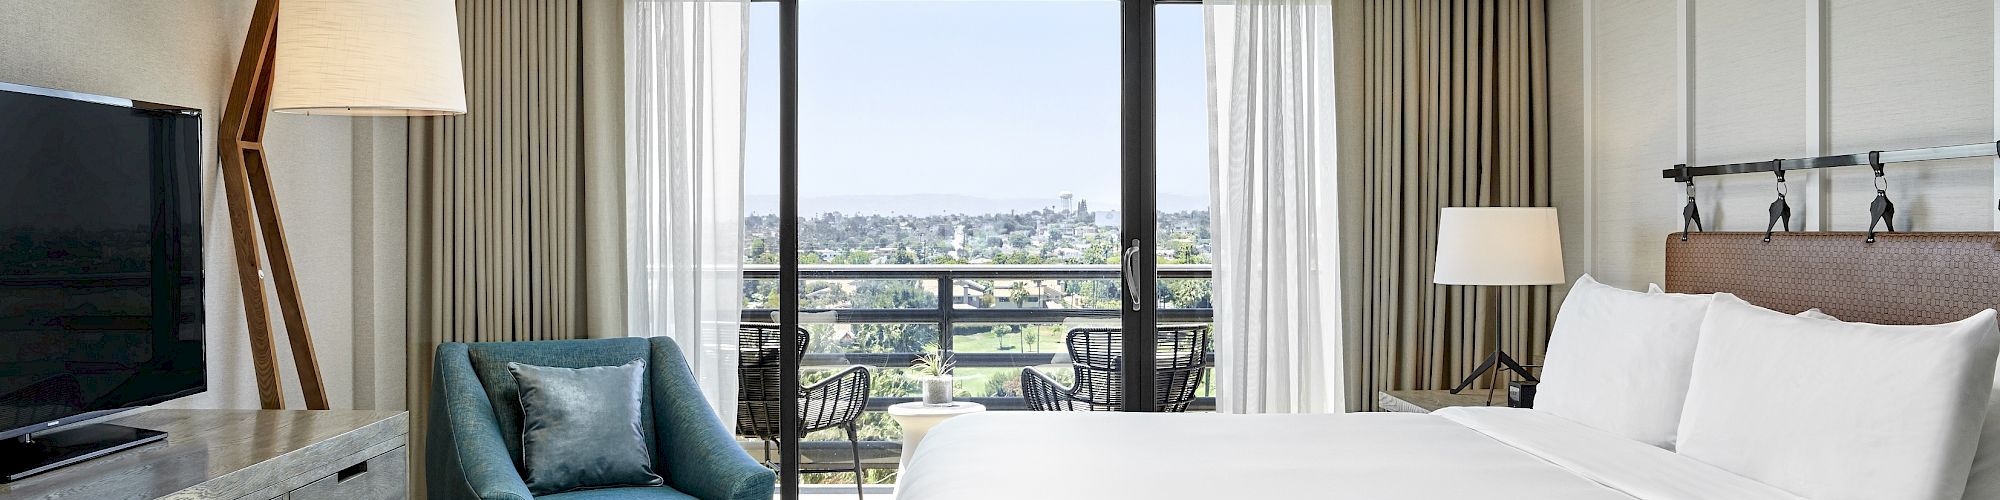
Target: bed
<point>1909,278</point>
<point>1491,453</point>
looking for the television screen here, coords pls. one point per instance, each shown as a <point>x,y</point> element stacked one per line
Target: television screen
<point>100,255</point>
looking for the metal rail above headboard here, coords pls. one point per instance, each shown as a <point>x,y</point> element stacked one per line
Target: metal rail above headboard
<point>1900,279</point>
<point>1681,173</point>
<point>1881,210</point>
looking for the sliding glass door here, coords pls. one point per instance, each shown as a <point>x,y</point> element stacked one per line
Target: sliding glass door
<point>975,178</point>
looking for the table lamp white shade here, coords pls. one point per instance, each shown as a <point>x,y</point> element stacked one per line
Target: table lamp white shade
<point>368,57</point>
<point>1499,246</point>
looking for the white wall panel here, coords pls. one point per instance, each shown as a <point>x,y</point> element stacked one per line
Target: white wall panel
<point>1748,59</point>
<point>1634,115</point>
<point>1897,74</point>
<point>1906,74</point>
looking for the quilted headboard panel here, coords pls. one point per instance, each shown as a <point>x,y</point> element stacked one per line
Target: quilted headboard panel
<point>1900,279</point>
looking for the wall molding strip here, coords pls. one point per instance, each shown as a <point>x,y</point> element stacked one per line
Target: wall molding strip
<point>1589,19</point>
<point>1684,86</point>
<point>1820,123</point>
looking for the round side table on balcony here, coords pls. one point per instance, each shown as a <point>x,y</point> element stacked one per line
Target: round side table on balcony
<point>917,419</point>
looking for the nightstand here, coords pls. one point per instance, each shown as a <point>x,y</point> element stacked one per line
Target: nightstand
<point>1429,401</point>
<point>917,419</point>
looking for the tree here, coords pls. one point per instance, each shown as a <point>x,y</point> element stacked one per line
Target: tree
<point>1018,257</point>
<point>854,257</point>
<point>1100,251</point>
<point>1020,295</point>
<point>1184,252</point>
<point>903,256</point>
<point>1186,293</point>
<point>757,292</point>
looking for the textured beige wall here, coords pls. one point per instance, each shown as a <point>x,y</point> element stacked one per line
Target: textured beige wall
<point>1749,104</point>
<point>183,53</point>
<point>1633,136</point>
<point>1567,183</point>
<point>1913,73</point>
<point>1761,83</point>
<point>380,243</point>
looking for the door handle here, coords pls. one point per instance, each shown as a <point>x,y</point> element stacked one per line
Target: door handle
<point>1130,265</point>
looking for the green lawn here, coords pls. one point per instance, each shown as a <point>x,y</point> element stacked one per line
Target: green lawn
<point>1017,338</point>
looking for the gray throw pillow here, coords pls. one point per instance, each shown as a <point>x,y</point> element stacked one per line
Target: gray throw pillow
<point>580,427</point>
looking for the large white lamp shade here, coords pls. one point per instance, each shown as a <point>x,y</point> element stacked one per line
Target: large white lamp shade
<point>1499,246</point>
<point>368,57</point>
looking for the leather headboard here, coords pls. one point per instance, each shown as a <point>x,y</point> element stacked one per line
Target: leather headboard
<point>1900,279</point>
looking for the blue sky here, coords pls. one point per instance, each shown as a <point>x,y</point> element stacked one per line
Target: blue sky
<point>983,98</point>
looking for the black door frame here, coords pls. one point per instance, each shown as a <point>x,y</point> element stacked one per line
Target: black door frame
<point>1139,224</point>
<point>1138,202</point>
<point>788,242</point>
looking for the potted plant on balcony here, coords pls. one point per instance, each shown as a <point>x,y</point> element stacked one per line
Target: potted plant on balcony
<point>934,371</point>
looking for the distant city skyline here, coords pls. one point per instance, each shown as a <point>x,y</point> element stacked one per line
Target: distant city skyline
<point>947,204</point>
<point>1003,102</point>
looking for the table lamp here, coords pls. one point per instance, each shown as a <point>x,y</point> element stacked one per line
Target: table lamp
<point>1491,247</point>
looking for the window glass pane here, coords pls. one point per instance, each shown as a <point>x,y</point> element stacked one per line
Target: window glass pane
<point>937,135</point>
<point>1182,137</point>
<point>949,133</point>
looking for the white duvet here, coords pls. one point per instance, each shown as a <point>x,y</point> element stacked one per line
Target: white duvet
<point>1485,453</point>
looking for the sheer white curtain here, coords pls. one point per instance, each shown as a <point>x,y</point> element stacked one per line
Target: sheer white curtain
<point>685,64</point>
<point>1272,147</point>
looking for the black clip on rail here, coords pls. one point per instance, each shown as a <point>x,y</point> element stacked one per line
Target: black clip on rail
<point>1690,215</point>
<point>1881,210</point>
<point>1780,211</point>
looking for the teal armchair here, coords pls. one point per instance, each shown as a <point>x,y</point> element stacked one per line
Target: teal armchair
<point>475,424</point>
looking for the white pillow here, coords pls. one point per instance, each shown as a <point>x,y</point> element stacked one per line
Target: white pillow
<point>1814,313</point>
<point>1619,360</point>
<point>1984,481</point>
<point>1831,410</point>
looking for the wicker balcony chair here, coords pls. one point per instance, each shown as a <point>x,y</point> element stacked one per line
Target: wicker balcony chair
<point>835,402</point>
<point>1183,351</point>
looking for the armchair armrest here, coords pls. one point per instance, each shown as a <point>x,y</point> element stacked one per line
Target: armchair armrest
<point>1045,394</point>
<point>837,400</point>
<point>700,456</point>
<point>466,459</point>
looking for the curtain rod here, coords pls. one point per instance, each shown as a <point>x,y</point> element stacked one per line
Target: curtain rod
<point>1681,173</point>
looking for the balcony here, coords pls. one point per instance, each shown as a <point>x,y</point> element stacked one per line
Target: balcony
<point>1000,318</point>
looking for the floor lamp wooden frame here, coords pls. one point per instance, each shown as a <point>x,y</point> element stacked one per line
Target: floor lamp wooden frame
<point>246,181</point>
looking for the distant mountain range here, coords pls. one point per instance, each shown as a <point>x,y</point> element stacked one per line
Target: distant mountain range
<point>946,204</point>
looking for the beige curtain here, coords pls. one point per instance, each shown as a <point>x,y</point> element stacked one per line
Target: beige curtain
<point>496,195</point>
<point>1456,98</point>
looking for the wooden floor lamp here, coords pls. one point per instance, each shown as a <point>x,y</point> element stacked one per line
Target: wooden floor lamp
<point>336,57</point>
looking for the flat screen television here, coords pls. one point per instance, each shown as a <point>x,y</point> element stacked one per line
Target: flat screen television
<point>100,256</point>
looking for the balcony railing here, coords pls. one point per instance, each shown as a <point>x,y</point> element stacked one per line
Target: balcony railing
<point>950,311</point>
